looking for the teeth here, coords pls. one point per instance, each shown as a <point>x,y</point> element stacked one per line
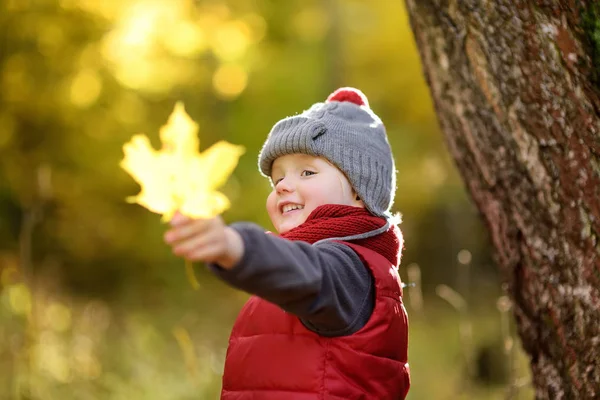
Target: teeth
<point>290,207</point>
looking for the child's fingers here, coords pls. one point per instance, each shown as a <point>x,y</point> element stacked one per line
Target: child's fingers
<point>197,248</point>
<point>198,239</point>
<point>210,251</point>
<point>185,230</point>
<point>185,247</point>
<point>179,219</point>
<point>204,254</point>
<point>196,233</point>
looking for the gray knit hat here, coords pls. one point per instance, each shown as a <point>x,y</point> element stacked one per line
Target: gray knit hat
<point>346,132</point>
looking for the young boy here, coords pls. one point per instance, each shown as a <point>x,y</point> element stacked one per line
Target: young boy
<point>326,319</point>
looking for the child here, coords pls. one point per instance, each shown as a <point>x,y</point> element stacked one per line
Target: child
<point>326,319</point>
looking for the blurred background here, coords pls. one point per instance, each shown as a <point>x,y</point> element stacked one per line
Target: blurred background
<point>94,306</point>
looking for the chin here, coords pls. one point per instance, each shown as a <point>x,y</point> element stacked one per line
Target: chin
<point>286,227</point>
<point>290,223</point>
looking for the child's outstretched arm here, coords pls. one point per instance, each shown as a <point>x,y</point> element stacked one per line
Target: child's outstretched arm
<point>326,285</point>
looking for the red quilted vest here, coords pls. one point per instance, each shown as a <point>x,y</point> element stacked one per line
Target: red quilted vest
<point>272,355</point>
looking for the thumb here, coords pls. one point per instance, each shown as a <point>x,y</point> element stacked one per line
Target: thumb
<point>178,219</point>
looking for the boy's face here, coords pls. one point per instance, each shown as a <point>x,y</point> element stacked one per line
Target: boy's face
<point>301,183</point>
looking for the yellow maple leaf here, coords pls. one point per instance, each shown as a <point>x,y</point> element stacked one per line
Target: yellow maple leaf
<point>179,177</point>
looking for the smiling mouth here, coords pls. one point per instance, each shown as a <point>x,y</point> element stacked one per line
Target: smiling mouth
<point>291,207</point>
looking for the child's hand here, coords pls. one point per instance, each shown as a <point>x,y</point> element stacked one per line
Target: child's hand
<point>206,240</point>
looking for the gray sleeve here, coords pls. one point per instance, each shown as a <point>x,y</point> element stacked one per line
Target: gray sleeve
<point>326,285</point>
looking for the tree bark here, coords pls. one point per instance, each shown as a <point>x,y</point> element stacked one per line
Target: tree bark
<point>515,89</point>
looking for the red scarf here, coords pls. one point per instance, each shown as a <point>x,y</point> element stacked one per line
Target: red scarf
<point>334,220</point>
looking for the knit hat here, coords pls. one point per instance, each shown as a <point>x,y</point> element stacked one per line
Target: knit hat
<point>348,134</point>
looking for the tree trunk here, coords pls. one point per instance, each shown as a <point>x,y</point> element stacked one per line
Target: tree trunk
<point>514,83</point>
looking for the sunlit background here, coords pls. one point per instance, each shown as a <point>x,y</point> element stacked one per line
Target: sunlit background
<point>94,306</point>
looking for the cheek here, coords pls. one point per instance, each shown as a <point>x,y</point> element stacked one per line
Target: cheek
<point>272,205</point>
<point>345,192</point>
<point>317,196</point>
<point>331,191</point>
<point>335,190</point>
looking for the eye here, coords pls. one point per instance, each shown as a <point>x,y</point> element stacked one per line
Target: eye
<point>307,173</point>
<point>276,181</point>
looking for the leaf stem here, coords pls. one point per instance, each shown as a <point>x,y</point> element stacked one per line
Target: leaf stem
<point>189,271</point>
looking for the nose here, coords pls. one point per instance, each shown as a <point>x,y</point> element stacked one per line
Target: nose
<point>284,185</point>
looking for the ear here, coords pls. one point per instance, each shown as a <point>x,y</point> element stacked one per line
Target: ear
<point>357,201</point>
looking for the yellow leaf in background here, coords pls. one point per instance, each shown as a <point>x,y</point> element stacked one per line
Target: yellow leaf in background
<point>179,177</point>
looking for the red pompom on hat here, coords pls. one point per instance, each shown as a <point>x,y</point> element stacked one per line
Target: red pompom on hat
<point>350,95</point>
